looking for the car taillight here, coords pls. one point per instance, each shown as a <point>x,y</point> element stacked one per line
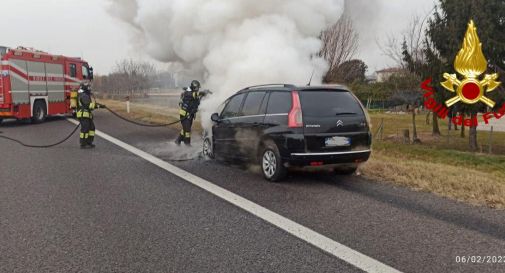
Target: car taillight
<point>295,117</point>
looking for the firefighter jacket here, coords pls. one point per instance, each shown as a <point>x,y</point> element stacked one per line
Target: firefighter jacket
<point>85,105</point>
<point>190,101</point>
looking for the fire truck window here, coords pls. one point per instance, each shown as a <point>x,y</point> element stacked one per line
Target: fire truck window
<point>85,72</point>
<point>73,70</point>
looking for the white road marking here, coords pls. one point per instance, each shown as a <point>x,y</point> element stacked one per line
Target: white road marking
<point>322,242</point>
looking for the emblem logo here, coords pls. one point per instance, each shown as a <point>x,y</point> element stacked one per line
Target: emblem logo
<point>340,123</point>
<point>471,64</point>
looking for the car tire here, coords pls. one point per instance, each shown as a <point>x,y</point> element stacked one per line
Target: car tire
<point>350,170</point>
<point>39,112</point>
<point>271,162</point>
<point>207,149</point>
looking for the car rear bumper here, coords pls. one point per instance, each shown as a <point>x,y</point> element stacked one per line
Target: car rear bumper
<point>318,159</point>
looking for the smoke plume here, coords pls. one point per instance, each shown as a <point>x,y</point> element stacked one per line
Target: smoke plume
<point>230,44</point>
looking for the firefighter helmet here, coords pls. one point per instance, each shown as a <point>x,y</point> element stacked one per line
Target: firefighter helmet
<point>85,87</point>
<point>195,85</point>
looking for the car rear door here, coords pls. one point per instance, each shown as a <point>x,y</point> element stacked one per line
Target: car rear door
<point>224,132</point>
<point>334,121</point>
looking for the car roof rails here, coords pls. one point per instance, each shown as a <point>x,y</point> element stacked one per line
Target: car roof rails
<point>270,85</point>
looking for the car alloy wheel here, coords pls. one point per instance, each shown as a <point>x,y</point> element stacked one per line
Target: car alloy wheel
<point>207,148</point>
<point>269,164</point>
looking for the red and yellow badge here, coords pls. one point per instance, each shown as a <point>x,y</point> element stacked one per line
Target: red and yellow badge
<point>471,64</point>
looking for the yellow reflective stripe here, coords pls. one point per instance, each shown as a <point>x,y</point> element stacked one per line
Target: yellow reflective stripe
<point>182,112</point>
<point>92,105</point>
<point>82,114</point>
<point>188,134</point>
<point>81,135</point>
<point>182,132</point>
<point>91,133</point>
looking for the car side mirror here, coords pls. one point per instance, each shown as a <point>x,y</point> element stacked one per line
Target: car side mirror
<point>215,118</point>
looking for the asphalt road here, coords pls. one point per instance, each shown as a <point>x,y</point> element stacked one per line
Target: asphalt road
<point>107,210</point>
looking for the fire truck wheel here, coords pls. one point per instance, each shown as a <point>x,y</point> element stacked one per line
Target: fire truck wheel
<point>39,112</point>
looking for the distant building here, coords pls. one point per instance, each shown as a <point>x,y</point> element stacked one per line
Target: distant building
<point>371,78</point>
<point>384,74</point>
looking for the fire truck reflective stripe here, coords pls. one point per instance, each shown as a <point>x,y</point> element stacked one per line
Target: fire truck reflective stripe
<point>36,74</point>
<point>19,77</point>
<point>19,68</point>
<point>5,62</point>
<point>19,91</point>
<point>67,77</point>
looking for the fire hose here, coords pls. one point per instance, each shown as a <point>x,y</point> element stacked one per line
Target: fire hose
<point>43,146</point>
<point>77,127</point>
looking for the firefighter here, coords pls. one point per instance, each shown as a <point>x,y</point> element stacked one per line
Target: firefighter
<point>188,107</point>
<point>85,116</point>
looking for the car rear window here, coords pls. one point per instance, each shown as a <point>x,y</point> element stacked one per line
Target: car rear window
<point>329,103</point>
<point>279,103</point>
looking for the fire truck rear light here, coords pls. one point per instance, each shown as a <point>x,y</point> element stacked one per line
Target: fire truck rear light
<point>295,117</point>
<point>316,164</point>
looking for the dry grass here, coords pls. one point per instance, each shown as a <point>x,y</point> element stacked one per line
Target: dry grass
<point>456,182</point>
<point>439,165</point>
<point>150,114</point>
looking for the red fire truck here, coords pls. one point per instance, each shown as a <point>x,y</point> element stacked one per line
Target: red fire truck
<point>35,84</point>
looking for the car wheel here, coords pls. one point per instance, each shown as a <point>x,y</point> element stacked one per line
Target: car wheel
<point>39,112</point>
<point>350,170</point>
<point>271,163</point>
<point>207,149</point>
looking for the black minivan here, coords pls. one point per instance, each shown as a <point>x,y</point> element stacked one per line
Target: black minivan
<point>281,126</point>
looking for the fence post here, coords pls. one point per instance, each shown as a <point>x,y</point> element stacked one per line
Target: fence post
<point>491,140</point>
<point>128,104</point>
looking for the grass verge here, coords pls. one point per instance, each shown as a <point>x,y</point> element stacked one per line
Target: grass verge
<point>439,164</point>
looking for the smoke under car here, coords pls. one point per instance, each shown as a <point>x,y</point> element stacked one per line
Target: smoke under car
<point>286,126</point>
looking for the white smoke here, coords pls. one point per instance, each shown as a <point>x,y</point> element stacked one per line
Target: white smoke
<point>231,44</point>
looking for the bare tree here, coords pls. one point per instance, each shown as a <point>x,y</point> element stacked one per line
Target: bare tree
<point>411,39</point>
<point>340,43</point>
<point>128,77</point>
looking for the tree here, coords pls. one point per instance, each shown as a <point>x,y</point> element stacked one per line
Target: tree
<point>348,72</point>
<point>128,77</point>
<point>410,56</point>
<point>339,45</point>
<point>406,89</point>
<point>445,32</point>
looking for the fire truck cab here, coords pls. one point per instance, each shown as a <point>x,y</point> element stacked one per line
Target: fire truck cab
<point>35,84</point>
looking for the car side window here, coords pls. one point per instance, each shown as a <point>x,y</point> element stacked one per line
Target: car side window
<point>279,103</point>
<point>252,103</point>
<point>232,109</point>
